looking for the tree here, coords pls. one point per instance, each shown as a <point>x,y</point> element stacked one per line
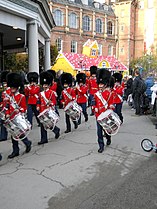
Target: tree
<point>54,54</point>
<point>16,62</point>
<point>147,62</point>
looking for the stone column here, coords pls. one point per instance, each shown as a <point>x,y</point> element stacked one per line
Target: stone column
<point>47,55</point>
<point>33,50</point>
<point>94,26</point>
<point>80,23</point>
<point>105,27</point>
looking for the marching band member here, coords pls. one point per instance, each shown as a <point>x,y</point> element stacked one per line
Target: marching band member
<point>16,104</point>
<point>68,95</point>
<point>32,91</point>
<point>4,100</point>
<point>46,99</point>
<point>81,92</point>
<point>103,100</point>
<point>118,98</point>
<point>92,85</point>
<point>53,86</point>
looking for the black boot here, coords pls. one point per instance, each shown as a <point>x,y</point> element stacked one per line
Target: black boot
<point>57,134</point>
<point>86,118</point>
<point>108,141</point>
<point>12,155</point>
<point>67,131</point>
<point>101,149</point>
<point>28,147</point>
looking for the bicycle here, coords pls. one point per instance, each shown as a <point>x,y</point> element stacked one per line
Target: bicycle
<point>147,145</point>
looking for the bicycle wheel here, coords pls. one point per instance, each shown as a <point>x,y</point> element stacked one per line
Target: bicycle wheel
<point>147,145</point>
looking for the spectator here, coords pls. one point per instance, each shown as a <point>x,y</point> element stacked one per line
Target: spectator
<point>153,97</point>
<point>149,83</point>
<point>136,93</point>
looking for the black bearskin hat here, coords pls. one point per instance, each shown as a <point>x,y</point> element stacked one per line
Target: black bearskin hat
<point>46,78</point>
<point>103,76</point>
<point>118,77</point>
<point>14,80</point>
<point>32,77</point>
<point>93,70</point>
<point>3,76</point>
<point>66,78</point>
<point>53,73</point>
<point>112,81</point>
<point>81,78</point>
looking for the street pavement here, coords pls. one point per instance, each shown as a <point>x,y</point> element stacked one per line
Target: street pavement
<point>69,173</point>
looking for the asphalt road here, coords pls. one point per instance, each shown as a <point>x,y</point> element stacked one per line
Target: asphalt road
<point>69,173</point>
<point>110,190</point>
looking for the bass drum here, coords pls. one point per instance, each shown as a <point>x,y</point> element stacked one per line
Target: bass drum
<point>73,110</point>
<point>19,127</point>
<point>48,118</point>
<point>110,122</point>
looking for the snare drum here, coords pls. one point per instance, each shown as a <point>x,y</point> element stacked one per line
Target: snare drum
<point>110,122</point>
<point>73,110</point>
<point>19,127</point>
<point>48,118</point>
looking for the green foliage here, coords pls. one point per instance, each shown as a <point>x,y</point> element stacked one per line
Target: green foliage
<point>54,54</point>
<point>147,62</point>
<point>16,62</point>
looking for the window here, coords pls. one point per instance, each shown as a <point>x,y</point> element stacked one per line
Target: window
<point>58,17</point>
<point>86,23</point>
<point>59,44</point>
<point>93,52</point>
<point>110,50</point>
<point>72,20</point>
<point>98,26</point>
<point>73,46</point>
<point>104,65</point>
<point>109,28</point>
<point>122,50</point>
<point>122,27</point>
<point>100,49</point>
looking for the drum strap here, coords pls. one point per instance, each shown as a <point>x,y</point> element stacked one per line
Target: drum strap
<point>14,103</point>
<point>67,94</point>
<point>46,100</point>
<point>105,103</point>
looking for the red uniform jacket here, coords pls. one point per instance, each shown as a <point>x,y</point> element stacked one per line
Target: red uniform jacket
<point>118,91</point>
<point>93,86</point>
<point>99,107</point>
<point>5,99</point>
<point>16,101</point>
<point>81,93</point>
<point>32,91</point>
<point>68,95</point>
<point>53,87</point>
<point>42,102</point>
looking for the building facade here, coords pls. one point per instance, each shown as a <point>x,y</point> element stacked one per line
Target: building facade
<point>77,21</point>
<point>124,28</point>
<point>24,27</point>
<point>137,28</point>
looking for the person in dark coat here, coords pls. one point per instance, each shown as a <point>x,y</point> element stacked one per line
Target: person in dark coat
<point>136,93</point>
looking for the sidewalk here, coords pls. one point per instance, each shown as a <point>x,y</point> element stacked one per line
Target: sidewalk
<point>30,180</point>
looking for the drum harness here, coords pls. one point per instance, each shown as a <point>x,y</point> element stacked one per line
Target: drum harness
<point>45,99</point>
<point>13,103</point>
<point>67,94</point>
<point>104,102</point>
